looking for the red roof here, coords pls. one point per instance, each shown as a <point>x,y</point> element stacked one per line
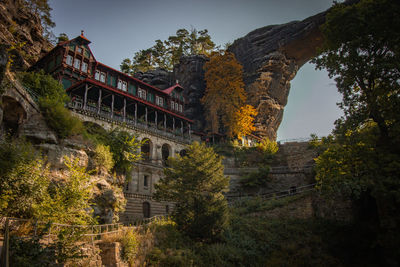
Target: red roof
<point>127,95</point>
<point>170,89</point>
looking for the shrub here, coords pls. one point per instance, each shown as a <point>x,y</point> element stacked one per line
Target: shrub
<point>256,179</point>
<point>268,146</point>
<point>59,118</point>
<point>130,246</point>
<point>103,157</point>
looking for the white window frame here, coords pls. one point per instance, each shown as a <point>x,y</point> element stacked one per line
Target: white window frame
<point>180,107</point>
<point>124,86</point>
<point>119,84</point>
<point>172,105</point>
<point>85,66</point>
<point>70,60</point>
<point>142,93</point>
<point>97,75</point>
<point>77,63</point>
<point>102,77</point>
<point>176,106</point>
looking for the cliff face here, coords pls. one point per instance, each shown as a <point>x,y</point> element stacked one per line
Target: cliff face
<point>271,57</point>
<point>19,26</point>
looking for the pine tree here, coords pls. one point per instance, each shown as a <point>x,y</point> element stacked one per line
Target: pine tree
<point>196,183</point>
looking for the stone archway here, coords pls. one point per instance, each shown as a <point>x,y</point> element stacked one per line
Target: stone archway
<point>13,115</point>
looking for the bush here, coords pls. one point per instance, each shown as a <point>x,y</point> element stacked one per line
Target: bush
<point>130,246</point>
<point>268,146</point>
<point>256,179</point>
<point>103,157</point>
<point>60,118</point>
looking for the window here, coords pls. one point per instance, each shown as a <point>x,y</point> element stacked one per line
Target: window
<point>146,181</point>
<point>180,108</point>
<point>69,60</point>
<point>102,77</point>
<point>176,106</point>
<point>84,66</point>
<point>124,86</point>
<point>119,86</point>
<point>97,75</point>
<point>159,101</point>
<point>142,93</point>
<point>77,64</point>
<point>172,105</point>
<point>79,50</point>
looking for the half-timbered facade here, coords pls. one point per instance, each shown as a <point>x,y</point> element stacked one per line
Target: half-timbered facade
<point>108,97</point>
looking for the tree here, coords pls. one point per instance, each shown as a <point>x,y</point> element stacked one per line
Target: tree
<point>62,38</point>
<point>42,9</point>
<point>196,183</point>
<point>243,122</point>
<point>224,98</point>
<point>165,54</point>
<point>361,50</point>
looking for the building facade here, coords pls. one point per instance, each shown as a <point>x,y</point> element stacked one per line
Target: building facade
<point>107,97</point>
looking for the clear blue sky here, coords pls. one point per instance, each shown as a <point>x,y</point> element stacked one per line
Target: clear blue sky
<point>119,28</point>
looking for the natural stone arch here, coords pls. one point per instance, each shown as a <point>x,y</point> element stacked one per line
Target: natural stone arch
<point>165,153</point>
<point>146,149</point>
<point>13,115</point>
<point>146,209</point>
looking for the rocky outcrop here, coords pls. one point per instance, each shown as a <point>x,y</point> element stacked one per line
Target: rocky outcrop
<point>271,57</point>
<point>190,74</point>
<point>20,27</point>
<point>159,78</point>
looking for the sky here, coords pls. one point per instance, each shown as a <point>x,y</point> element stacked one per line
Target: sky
<point>119,28</point>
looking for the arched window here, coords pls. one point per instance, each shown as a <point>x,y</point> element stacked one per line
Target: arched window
<point>165,153</point>
<point>146,149</point>
<point>146,209</point>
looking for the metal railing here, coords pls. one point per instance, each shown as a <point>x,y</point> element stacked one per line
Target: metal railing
<point>106,115</point>
<point>273,195</point>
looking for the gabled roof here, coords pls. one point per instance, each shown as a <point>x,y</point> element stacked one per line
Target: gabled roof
<point>170,89</point>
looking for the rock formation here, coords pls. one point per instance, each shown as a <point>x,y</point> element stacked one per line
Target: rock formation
<point>19,26</point>
<point>271,57</point>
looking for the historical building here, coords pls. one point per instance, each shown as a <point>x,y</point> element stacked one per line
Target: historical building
<point>107,97</point>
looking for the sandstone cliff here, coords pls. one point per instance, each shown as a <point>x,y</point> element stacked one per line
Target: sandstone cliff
<point>19,26</point>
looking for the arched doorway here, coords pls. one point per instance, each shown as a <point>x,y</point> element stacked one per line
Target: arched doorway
<point>146,209</point>
<point>13,115</point>
<point>146,149</point>
<point>165,153</point>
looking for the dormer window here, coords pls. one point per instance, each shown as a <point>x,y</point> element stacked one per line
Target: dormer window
<point>84,67</point>
<point>97,75</point>
<point>119,86</point>
<point>180,108</point>
<point>69,60</point>
<point>77,64</point>
<point>102,77</point>
<point>79,50</point>
<point>176,106</point>
<point>124,86</point>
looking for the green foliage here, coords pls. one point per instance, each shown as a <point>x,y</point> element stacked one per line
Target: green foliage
<point>59,118</point>
<point>62,38</point>
<point>43,85</point>
<point>68,201</point>
<point>196,183</point>
<point>130,246</point>
<point>23,178</point>
<point>103,157</point>
<point>165,54</point>
<point>361,50</point>
<point>52,98</point>
<point>256,179</point>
